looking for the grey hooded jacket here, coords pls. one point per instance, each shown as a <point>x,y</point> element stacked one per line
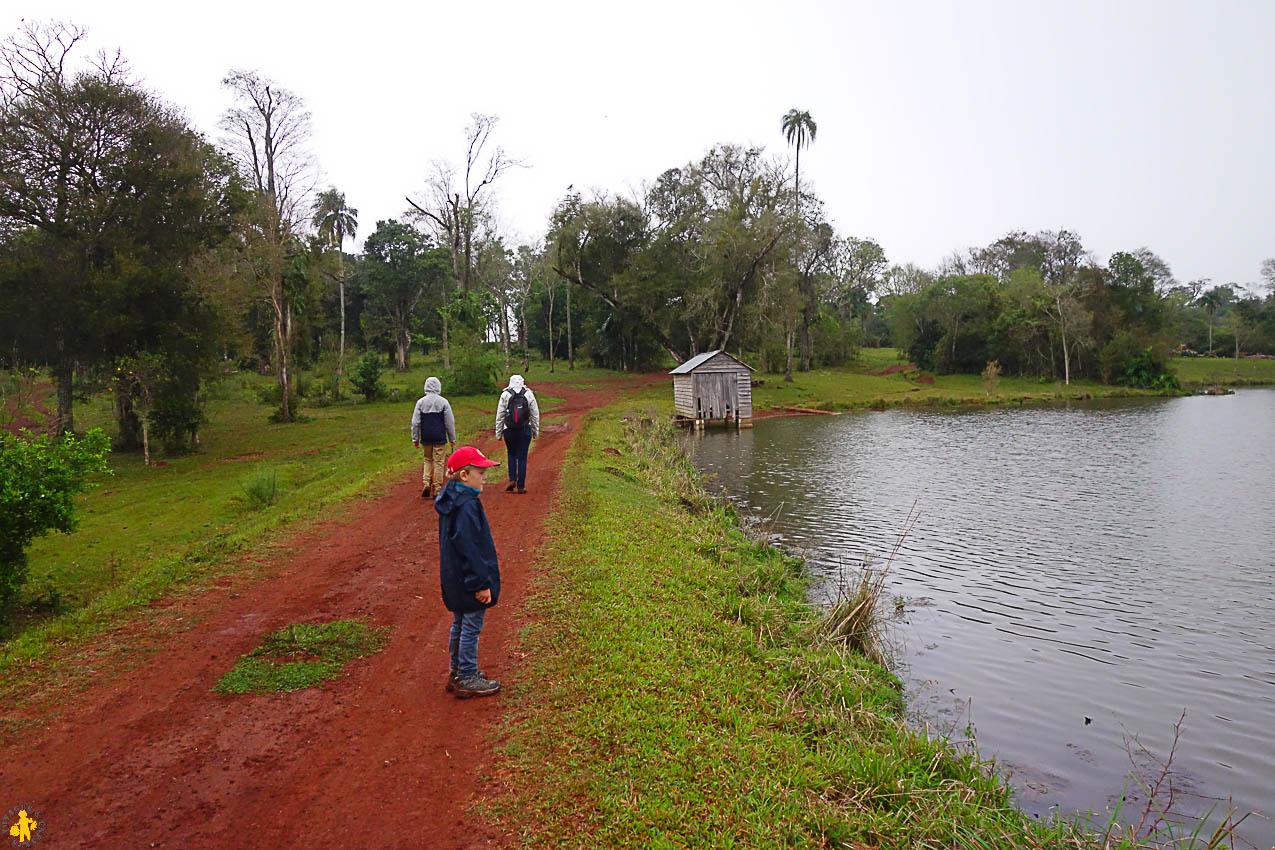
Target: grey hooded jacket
<point>432,402</point>
<point>517,383</point>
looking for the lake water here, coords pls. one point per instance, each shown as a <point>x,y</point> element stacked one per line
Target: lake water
<point>1077,578</point>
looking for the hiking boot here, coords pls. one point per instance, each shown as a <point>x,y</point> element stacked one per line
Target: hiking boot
<point>476,686</point>
<point>511,487</point>
<point>451,679</point>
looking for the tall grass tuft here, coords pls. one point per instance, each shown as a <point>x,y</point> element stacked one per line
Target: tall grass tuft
<point>261,490</point>
<point>856,620</point>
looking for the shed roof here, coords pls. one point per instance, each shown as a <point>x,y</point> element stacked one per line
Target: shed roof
<point>700,359</point>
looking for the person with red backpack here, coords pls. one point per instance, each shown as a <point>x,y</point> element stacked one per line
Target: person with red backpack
<point>517,421</point>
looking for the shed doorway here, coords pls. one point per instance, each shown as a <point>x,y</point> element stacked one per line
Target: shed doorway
<point>717,395</point>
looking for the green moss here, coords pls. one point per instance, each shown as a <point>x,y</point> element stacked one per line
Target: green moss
<point>301,656</point>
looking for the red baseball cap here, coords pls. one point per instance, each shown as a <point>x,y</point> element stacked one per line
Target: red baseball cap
<point>468,456</point>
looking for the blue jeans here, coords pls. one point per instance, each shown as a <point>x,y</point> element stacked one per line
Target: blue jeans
<point>517,441</point>
<point>464,642</point>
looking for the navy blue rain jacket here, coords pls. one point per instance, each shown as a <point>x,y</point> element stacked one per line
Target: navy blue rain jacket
<point>467,554</point>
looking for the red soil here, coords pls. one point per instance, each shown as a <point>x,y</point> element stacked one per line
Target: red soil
<point>381,757</point>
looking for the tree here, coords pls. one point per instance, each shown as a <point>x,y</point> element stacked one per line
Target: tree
<point>336,220</point>
<point>398,268</point>
<point>107,199</point>
<point>267,131</point>
<point>1216,299</point>
<point>1268,274</point>
<point>39,479</point>
<point>457,211</point>
<point>799,129</point>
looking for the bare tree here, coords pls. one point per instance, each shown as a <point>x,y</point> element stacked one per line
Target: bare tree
<point>267,131</point>
<point>456,202</point>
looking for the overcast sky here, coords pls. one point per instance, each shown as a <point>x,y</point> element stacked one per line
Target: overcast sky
<point>940,125</point>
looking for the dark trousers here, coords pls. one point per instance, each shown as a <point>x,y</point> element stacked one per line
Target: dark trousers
<point>517,441</point>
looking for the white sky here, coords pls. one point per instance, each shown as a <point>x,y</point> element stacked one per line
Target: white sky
<point>941,125</point>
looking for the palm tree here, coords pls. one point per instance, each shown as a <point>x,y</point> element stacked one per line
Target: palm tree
<point>800,128</point>
<point>335,221</point>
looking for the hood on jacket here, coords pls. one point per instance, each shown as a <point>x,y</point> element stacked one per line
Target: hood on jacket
<point>516,383</point>
<point>453,495</point>
<point>433,385</point>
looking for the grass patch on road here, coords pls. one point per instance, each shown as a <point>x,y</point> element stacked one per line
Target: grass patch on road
<point>301,656</point>
<point>675,696</point>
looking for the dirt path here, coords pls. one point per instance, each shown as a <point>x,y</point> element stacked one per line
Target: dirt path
<point>382,757</point>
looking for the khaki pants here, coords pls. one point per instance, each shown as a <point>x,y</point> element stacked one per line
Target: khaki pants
<point>434,475</point>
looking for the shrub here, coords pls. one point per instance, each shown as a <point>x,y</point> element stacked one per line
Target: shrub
<point>474,370</point>
<point>261,490</point>
<point>991,376</point>
<point>39,479</point>
<point>366,376</point>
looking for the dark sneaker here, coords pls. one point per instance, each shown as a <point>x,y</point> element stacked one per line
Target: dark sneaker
<point>476,686</point>
<point>522,489</point>
<point>451,679</point>
<point>510,488</point>
<point>425,494</point>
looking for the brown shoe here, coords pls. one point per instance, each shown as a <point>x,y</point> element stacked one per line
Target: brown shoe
<point>522,489</point>
<point>511,487</point>
<point>476,686</point>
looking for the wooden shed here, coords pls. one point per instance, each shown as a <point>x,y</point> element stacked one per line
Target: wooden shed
<point>713,387</point>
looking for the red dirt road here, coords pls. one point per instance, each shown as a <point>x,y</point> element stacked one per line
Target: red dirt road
<point>382,757</point>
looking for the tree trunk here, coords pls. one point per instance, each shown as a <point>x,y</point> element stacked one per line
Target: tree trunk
<point>504,328</point>
<point>788,335</point>
<point>340,354</point>
<point>126,422</point>
<point>571,352</point>
<point>282,329</point>
<point>146,441</point>
<point>64,372</point>
<point>1210,334</point>
<point>522,334</point>
<point>402,344</point>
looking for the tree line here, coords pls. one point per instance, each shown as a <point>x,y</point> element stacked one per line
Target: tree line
<point>139,258</point>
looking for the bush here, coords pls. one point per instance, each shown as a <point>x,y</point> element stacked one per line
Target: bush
<point>474,370</point>
<point>175,420</point>
<point>39,479</point>
<point>261,490</point>
<point>366,376</point>
<point>1129,362</point>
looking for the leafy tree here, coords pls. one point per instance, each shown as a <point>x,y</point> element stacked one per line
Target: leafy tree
<point>398,269</point>
<point>39,479</point>
<point>336,220</point>
<point>107,200</point>
<point>367,376</point>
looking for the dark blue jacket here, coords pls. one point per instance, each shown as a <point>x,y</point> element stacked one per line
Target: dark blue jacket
<point>466,552</point>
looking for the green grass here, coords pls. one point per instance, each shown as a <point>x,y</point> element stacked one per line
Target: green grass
<point>1209,371</point>
<point>859,385</point>
<point>676,698</point>
<point>151,532</point>
<point>301,656</point>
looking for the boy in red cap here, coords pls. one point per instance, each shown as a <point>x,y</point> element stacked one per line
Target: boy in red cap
<point>467,567</point>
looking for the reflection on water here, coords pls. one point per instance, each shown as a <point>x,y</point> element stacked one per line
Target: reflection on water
<point>1078,576</point>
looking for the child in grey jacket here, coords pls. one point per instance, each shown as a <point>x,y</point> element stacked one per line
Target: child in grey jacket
<point>433,427</point>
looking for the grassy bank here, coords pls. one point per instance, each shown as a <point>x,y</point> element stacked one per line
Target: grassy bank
<point>866,384</point>
<point>151,532</point>
<point>1198,372</point>
<point>676,696</point>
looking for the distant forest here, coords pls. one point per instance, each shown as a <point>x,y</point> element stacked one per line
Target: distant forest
<point>140,257</point>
